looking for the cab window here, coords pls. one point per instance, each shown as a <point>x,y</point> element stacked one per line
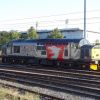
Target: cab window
<point>16,49</point>
<point>43,52</point>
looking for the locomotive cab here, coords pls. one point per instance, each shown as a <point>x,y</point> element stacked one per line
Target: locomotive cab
<point>3,50</point>
<point>91,56</point>
<point>95,54</point>
<point>86,52</point>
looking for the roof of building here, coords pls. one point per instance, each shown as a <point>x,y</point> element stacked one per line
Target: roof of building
<point>61,30</point>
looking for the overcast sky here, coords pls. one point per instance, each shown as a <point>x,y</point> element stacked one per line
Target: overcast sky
<point>21,14</point>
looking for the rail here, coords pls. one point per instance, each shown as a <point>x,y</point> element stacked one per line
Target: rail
<point>79,82</point>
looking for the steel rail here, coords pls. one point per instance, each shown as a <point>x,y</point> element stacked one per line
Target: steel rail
<point>93,91</point>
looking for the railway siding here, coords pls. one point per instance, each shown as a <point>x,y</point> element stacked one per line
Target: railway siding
<point>66,85</point>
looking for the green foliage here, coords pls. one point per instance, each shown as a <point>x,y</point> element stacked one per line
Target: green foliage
<point>14,35</point>
<point>32,34</point>
<point>55,34</point>
<point>4,37</point>
<point>8,36</point>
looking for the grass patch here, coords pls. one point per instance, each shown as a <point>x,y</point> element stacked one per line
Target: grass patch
<point>15,94</point>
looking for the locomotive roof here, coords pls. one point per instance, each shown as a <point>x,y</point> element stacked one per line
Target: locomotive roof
<point>87,46</point>
<point>46,40</point>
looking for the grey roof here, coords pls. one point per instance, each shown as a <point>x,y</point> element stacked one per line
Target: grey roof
<point>61,30</point>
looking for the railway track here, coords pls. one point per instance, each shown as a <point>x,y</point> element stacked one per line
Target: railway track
<point>85,83</point>
<point>60,72</point>
<point>44,69</point>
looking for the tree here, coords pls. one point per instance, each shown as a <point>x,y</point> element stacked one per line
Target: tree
<point>14,35</point>
<point>32,34</point>
<point>4,37</point>
<point>8,36</point>
<point>55,34</point>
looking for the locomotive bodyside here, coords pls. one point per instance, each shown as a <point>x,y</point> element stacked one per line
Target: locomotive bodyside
<point>44,51</point>
<point>58,52</point>
<point>19,51</point>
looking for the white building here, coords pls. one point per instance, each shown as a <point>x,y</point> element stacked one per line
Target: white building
<point>72,33</point>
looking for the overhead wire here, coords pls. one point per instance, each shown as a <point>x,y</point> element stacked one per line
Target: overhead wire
<point>55,21</point>
<point>49,15</point>
<point>50,21</point>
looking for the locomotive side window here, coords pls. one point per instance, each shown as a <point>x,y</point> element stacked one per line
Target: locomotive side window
<point>16,49</point>
<point>43,52</point>
<point>66,52</point>
<point>4,50</point>
<point>41,48</point>
<point>76,45</point>
<point>38,47</point>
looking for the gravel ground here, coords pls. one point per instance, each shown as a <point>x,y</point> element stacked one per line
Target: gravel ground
<point>62,95</point>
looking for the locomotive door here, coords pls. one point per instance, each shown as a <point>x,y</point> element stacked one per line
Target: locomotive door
<point>74,51</point>
<point>67,52</point>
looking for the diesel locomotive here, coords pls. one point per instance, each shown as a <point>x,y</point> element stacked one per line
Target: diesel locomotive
<point>68,53</point>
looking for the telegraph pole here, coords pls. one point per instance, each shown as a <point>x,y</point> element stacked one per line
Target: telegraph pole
<point>85,19</point>
<point>36,25</point>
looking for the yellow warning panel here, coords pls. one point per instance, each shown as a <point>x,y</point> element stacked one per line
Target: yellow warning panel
<point>95,52</point>
<point>93,67</point>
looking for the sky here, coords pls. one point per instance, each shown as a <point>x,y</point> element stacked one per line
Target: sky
<point>48,14</point>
